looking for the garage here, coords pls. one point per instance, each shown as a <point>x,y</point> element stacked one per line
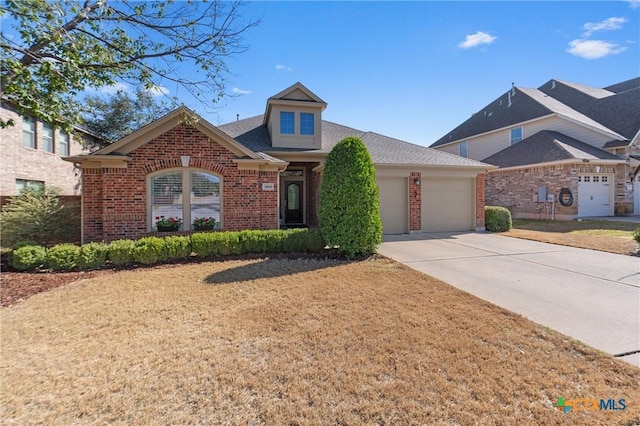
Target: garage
<point>595,195</point>
<point>394,204</point>
<point>448,205</point>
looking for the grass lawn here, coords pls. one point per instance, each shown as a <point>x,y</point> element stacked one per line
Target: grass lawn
<point>603,235</point>
<point>292,342</point>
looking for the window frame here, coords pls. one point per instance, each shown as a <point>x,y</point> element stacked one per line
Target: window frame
<point>186,200</point>
<point>290,120</point>
<point>48,141</point>
<point>463,153</point>
<point>64,141</point>
<point>304,123</point>
<point>515,140</point>
<point>31,132</point>
<point>28,183</point>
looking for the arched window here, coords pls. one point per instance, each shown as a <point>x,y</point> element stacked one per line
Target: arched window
<point>187,194</point>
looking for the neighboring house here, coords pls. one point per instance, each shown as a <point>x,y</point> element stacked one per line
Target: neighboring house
<point>264,172</point>
<point>564,150</point>
<point>32,154</point>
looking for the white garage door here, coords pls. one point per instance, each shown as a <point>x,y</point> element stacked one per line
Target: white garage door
<point>594,192</point>
<point>448,205</point>
<point>394,205</point>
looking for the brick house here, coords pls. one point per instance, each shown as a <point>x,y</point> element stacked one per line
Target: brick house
<point>264,172</point>
<point>564,150</point>
<point>32,154</point>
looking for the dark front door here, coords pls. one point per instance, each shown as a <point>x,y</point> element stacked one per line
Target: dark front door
<point>293,212</point>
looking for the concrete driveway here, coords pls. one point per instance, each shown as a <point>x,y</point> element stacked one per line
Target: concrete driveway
<point>589,295</point>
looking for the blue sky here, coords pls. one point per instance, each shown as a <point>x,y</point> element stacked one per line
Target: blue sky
<point>415,70</point>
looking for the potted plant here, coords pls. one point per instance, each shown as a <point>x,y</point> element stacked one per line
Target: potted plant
<point>170,224</point>
<point>203,224</point>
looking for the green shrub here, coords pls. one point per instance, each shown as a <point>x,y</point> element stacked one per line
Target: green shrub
<point>229,243</point>
<point>28,258</point>
<point>177,247</point>
<point>93,255</point>
<point>204,244</point>
<point>149,250</point>
<point>349,207</point>
<point>121,252</point>
<point>315,241</point>
<point>39,216</point>
<point>497,219</point>
<point>254,241</point>
<point>63,257</point>
<point>636,235</point>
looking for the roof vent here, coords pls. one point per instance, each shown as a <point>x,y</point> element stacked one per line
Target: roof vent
<point>513,89</point>
<point>237,117</point>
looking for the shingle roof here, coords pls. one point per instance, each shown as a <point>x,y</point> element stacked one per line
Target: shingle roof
<point>383,149</point>
<point>547,146</point>
<point>614,109</point>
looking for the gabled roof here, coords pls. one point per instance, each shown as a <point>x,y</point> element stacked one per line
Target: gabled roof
<point>383,149</point>
<point>612,111</point>
<point>176,117</point>
<point>296,93</point>
<point>545,147</point>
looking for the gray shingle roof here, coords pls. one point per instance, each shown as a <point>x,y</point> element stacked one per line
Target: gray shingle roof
<point>547,146</point>
<point>614,109</point>
<point>383,149</point>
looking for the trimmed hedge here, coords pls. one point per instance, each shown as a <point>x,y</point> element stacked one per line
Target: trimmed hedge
<point>497,219</point>
<point>150,250</point>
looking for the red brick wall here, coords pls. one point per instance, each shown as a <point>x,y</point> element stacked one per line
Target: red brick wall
<point>115,199</point>
<point>415,202</point>
<point>480,202</point>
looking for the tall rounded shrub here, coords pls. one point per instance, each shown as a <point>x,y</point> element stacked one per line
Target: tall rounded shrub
<point>497,219</point>
<point>349,207</point>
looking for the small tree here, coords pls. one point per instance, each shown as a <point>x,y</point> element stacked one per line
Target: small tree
<point>349,207</point>
<point>37,216</point>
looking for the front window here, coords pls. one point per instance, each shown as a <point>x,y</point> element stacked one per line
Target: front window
<point>28,132</point>
<point>464,149</point>
<point>287,123</point>
<point>185,194</point>
<point>22,184</point>
<point>47,137</point>
<point>64,144</point>
<point>306,123</point>
<point>516,135</point>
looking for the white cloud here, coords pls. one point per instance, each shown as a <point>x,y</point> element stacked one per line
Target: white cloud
<point>634,3</point>
<point>477,39</point>
<point>594,49</point>
<point>283,68</point>
<point>113,89</point>
<point>156,91</point>
<point>608,24</point>
<point>239,91</point>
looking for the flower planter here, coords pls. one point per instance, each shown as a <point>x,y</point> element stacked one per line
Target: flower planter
<point>167,228</point>
<point>203,227</point>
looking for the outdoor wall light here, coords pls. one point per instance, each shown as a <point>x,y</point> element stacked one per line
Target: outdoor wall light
<point>416,182</point>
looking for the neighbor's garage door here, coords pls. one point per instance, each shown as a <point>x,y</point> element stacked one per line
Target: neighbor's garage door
<point>594,192</point>
<point>448,205</point>
<point>394,205</point>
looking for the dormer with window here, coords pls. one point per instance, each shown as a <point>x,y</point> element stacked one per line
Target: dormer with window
<point>293,118</point>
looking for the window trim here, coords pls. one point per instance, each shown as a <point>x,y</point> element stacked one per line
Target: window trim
<point>512,140</point>
<point>46,126</point>
<point>186,201</point>
<point>32,131</point>
<point>293,122</point>
<point>28,183</point>
<point>313,124</point>
<point>64,140</point>
<point>466,149</point>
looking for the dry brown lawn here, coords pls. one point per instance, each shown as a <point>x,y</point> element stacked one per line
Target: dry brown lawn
<point>602,235</point>
<point>284,342</point>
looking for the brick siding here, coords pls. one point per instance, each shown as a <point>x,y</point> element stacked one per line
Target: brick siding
<point>480,201</point>
<point>415,202</point>
<point>115,203</point>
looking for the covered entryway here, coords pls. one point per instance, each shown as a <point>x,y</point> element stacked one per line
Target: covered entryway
<point>448,204</point>
<point>595,195</point>
<point>394,204</point>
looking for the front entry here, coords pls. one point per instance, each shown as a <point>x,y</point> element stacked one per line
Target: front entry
<point>293,199</point>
